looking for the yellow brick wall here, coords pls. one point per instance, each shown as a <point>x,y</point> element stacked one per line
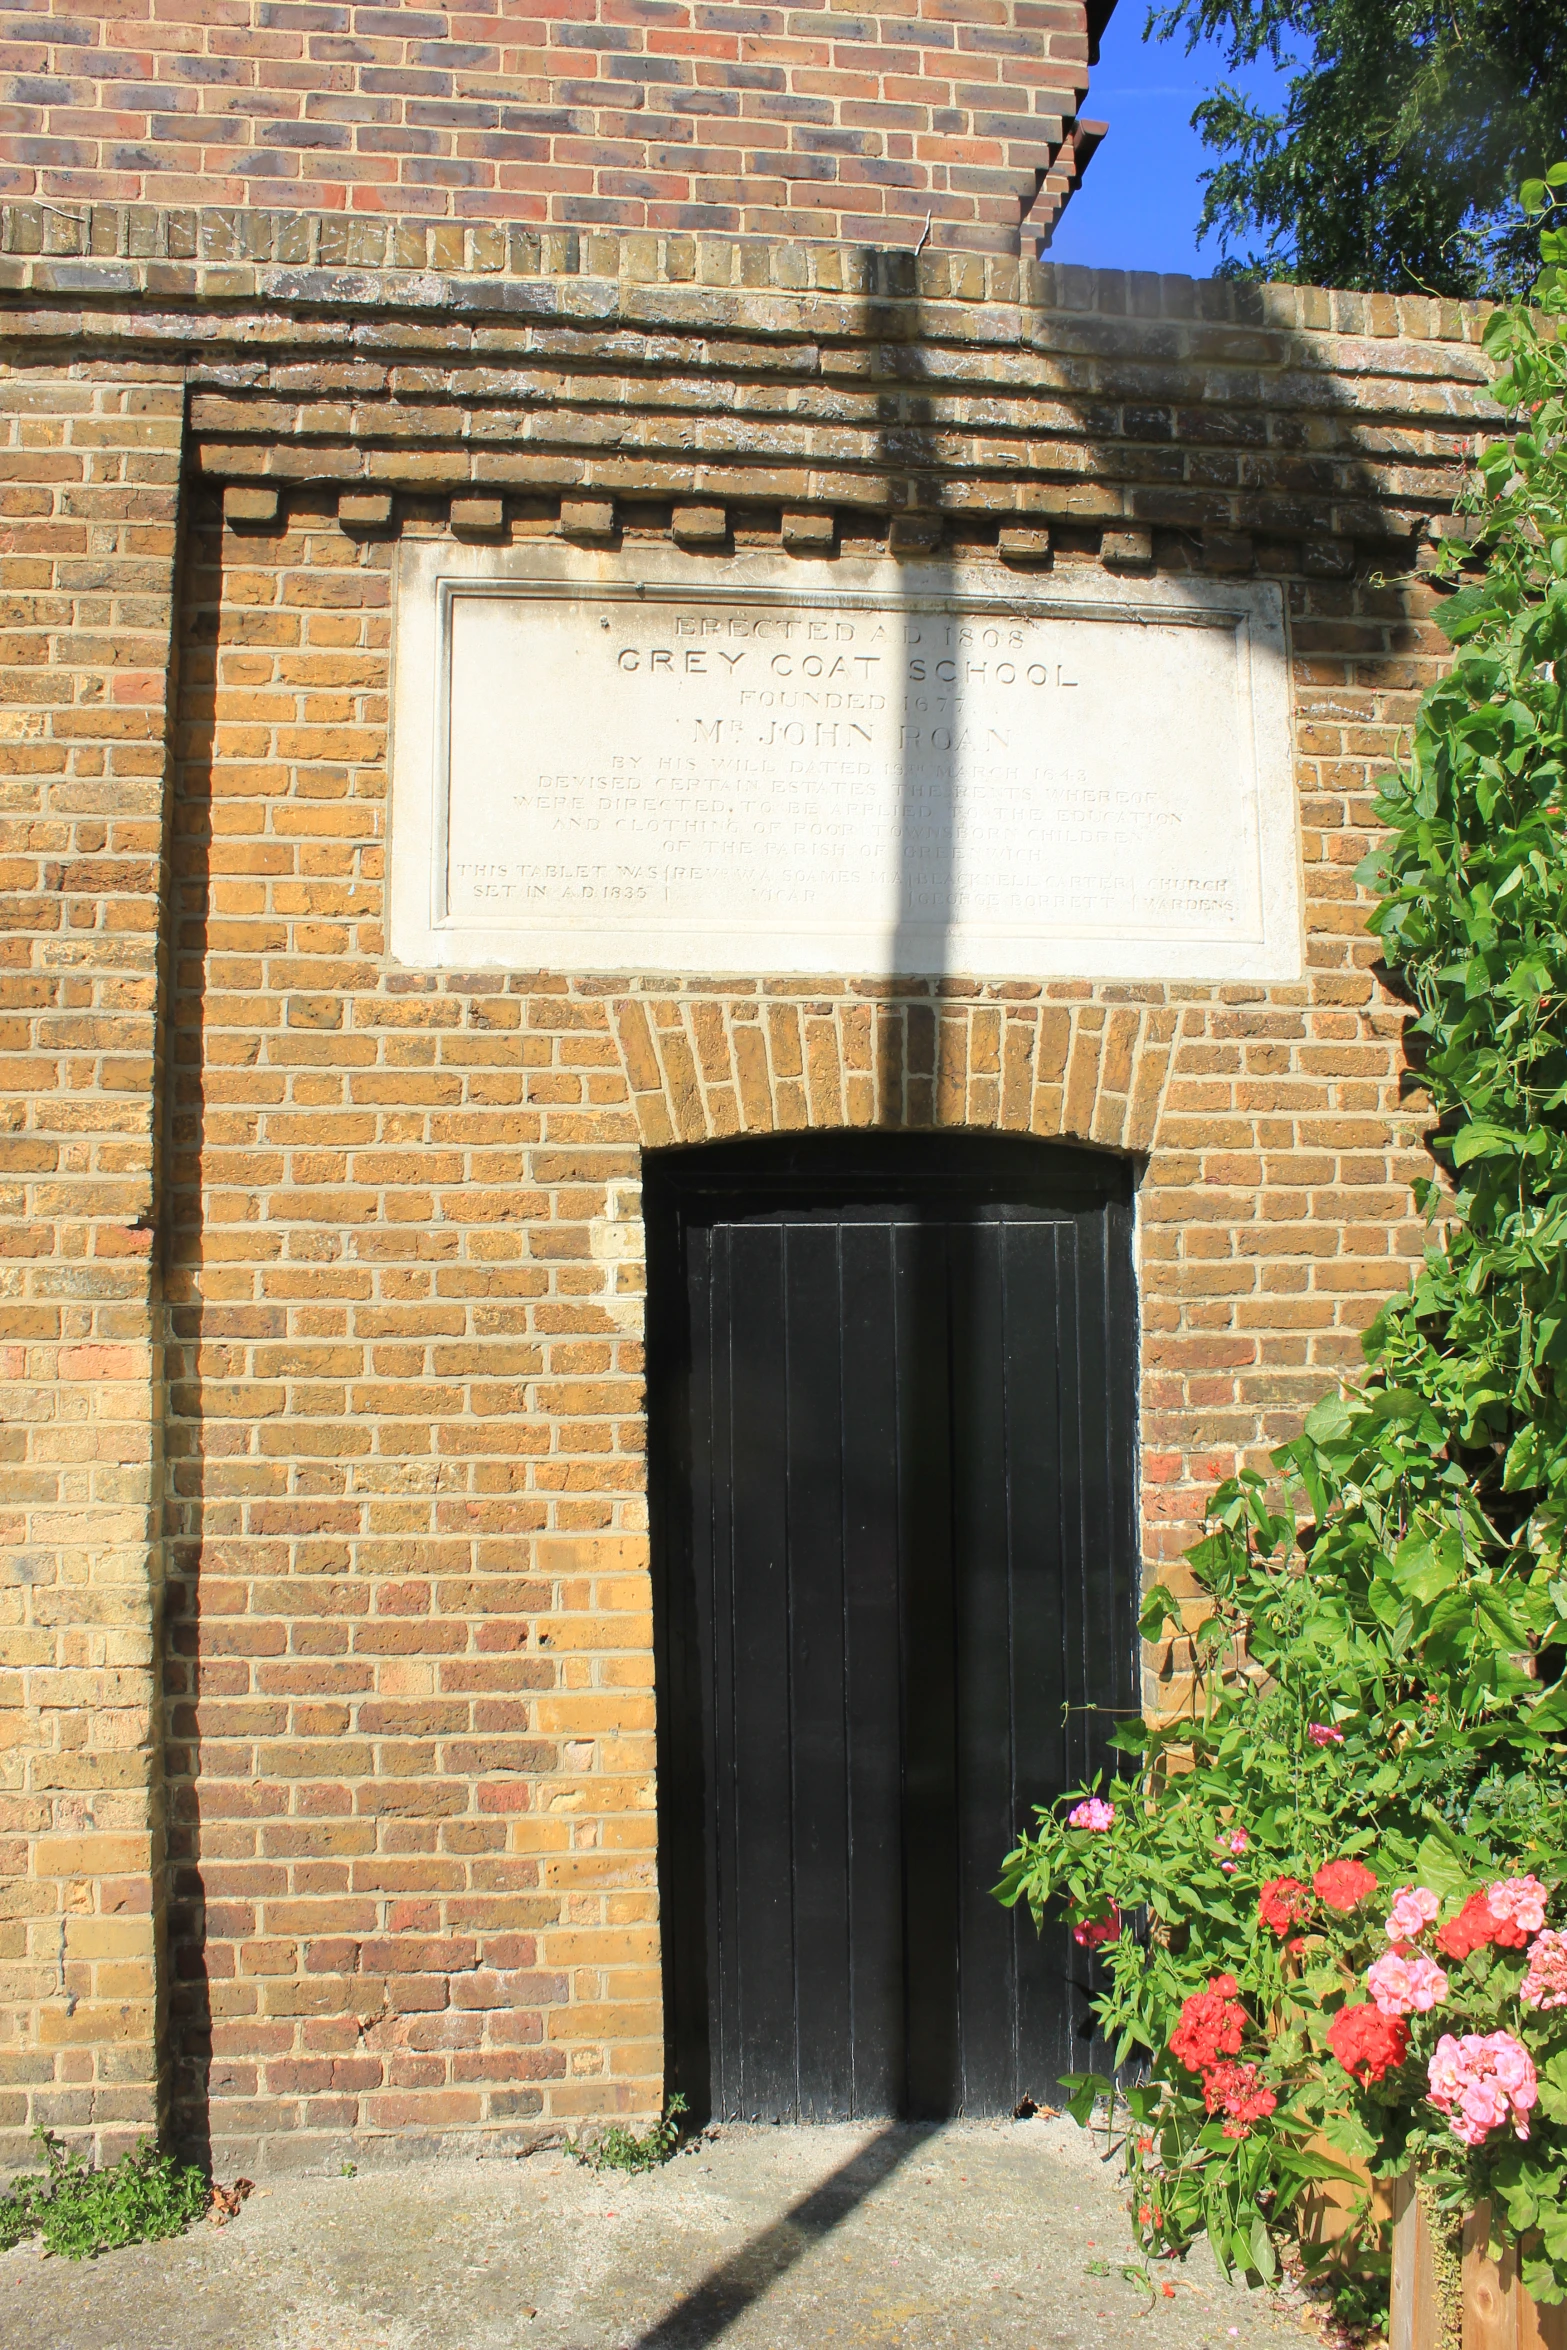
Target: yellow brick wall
<point>391,1251</point>
<point>89,475</point>
<point>410,1715</point>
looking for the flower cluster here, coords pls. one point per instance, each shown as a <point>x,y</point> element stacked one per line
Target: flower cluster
<point>1093,1812</point>
<point>1404,1984</point>
<point>1238,2092</point>
<point>1506,1914</point>
<point>1343,1884</point>
<point>1414,1907</point>
<point>1089,1933</point>
<point>1482,2081</point>
<point>1545,1985</point>
<point>1368,2043</point>
<point>1212,2025</point>
<point>1520,1903</point>
<point>1323,1734</point>
<point>1281,1903</point>
<point>1207,2039</point>
<point>1472,1929</point>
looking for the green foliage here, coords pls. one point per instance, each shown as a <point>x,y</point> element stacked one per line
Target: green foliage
<point>618,2148</point>
<point>1380,1664</point>
<point>81,2211</point>
<point>1393,157</point>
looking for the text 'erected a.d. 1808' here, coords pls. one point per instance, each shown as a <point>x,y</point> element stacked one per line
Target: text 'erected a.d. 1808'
<point>638,767</point>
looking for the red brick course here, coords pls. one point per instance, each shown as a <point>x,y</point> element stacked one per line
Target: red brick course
<point>711,115</point>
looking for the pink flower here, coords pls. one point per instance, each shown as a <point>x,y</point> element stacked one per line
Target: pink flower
<point>1236,1841</point>
<point>1089,1933</point>
<point>1480,2082</point>
<point>1414,1906</point>
<point>1406,1986</point>
<point>1093,1813</point>
<point>1321,1734</point>
<point>1545,1985</point>
<point>1520,1899</point>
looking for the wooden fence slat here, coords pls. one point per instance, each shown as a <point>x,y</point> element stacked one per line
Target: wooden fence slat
<point>1490,2288</point>
<point>1416,2318</point>
<point>1498,2312</point>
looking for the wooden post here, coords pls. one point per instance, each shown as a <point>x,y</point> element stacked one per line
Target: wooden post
<point>1498,2312</point>
<point>1415,2319</point>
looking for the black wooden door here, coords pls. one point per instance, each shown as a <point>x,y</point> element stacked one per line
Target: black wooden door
<point>892,1396</point>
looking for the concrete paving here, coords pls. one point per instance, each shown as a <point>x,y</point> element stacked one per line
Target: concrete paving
<point>976,2236</point>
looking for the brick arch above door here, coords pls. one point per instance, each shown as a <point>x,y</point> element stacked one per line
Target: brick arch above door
<point>700,1067</point>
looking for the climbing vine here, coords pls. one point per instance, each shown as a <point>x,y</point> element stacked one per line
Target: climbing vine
<point>1327,1912</point>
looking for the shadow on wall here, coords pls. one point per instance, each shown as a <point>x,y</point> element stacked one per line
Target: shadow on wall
<point>188,1673</point>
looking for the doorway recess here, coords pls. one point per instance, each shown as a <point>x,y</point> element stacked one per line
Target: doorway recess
<point>892,1384</point>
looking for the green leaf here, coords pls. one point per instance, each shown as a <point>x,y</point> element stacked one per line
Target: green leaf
<point>1525,1459</point>
<point>1480,1141</point>
<point>1440,1865</point>
<point>1160,1609</point>
<point>1260,2245</point>
<point>1084,2090</point>
<point>1328,1420</point>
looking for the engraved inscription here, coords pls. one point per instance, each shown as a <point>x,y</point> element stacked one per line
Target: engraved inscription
<point>669,781</point>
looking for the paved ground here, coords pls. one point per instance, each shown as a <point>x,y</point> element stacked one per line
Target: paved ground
<point>979,2236</point>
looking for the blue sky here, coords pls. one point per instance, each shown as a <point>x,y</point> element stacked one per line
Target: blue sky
<point>1140,199</point>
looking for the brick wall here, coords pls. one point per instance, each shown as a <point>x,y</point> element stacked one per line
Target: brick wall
<point>412,1882</point>
<point>89,475</point>
<point>708,115</point>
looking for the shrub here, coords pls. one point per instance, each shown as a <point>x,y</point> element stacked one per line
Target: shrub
<point>1322,1907</point>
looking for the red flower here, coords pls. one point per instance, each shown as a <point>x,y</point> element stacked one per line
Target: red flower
<point>1088,1933</point>
<point>1232,2089</point>
<point>1212,2025</point>
<point>1368,2043</point>
<point>1470,1930</point>
<point>1343,1884</point>
<point>1281,1901</point>
<point>1476,1924</point>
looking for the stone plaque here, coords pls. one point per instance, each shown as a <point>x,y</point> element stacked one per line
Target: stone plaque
<point>652,762</point>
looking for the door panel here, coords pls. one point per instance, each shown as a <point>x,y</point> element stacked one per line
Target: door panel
<point>891,1402</point>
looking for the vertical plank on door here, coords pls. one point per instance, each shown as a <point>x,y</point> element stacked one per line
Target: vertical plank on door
<point>818,1756</point>
<point>929,1637</point>
<point>757,1965</point>
<point>872,1380</point>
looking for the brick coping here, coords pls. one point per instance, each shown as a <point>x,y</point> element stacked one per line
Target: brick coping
<point>312,258</point>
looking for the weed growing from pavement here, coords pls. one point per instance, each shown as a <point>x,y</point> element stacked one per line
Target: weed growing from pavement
<point>81,2211</point>
<point>621,2149</point>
